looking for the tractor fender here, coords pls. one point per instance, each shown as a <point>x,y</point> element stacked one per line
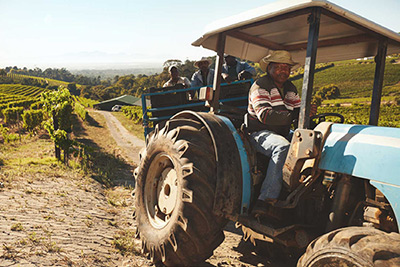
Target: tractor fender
<point>233,186</point>
<point>368,152</point>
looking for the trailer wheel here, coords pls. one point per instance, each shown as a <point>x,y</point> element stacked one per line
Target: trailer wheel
<point>175,193</point>
<point>353,246</point>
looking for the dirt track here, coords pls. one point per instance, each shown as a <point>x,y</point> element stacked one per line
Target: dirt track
<point>129,143</point>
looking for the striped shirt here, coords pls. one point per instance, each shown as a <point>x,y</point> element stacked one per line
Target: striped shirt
<point>273,108</point>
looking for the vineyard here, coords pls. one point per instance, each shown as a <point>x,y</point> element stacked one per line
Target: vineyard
<point>17,95</point>
<point>23,107</point>
<point>389,115</point>
<point>51,82</point>
<point>355,78</point>
<point>21,90</point>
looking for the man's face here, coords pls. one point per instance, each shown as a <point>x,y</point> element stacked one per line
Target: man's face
<point>203,65</point>
<point>280,72</point>
<point>174,73</point>
<point>230,60</point>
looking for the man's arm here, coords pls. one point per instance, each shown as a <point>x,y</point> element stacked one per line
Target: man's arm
<point>195,81</point>
<point>261,103</point>
<point>246,71</point>
<point>186,82</point>
<point>247,67</point>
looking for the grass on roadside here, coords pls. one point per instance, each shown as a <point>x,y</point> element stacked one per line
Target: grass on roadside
<point>103,163</point>
<point>117,196</point>
<point>124,241</point>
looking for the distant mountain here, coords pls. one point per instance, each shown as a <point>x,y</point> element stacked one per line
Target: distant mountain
<point>111,73</point>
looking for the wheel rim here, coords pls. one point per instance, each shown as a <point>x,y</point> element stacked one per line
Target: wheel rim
<point>161,190</point>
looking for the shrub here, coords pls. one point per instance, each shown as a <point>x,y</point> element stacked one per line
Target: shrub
<point>133,113</point>
<point>316,100</point>
<point>32,119</point>
<point>37,105</point>
<point>328,92</point>
<point>8,138</point>
<point>59,104</point>
<point>80,110</point>
<point>12,115</point>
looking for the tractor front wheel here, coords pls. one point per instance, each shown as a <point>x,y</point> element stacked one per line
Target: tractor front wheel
<point>175,191</point>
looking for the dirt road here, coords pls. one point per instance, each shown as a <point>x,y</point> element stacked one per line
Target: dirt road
<point>233,251</point>
<point>129,143</point>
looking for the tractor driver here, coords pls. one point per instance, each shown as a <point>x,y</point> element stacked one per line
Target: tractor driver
<point>273,105</point>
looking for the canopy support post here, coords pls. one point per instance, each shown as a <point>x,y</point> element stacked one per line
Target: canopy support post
<point>309,67</point>
<point>380,59</point>
<point>218,71</point>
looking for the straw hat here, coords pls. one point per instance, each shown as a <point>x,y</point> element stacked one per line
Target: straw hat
<point>203,59</point>
<point>278,56</point>
<point>171,67</point>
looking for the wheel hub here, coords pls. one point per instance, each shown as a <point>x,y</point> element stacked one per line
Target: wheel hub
<point>167,191</point>
<point>161,190</point>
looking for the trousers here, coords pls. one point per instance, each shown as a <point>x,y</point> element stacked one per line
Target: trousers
<point>276,148</point>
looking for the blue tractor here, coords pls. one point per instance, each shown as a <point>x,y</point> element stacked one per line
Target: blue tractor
<point>341,195</point>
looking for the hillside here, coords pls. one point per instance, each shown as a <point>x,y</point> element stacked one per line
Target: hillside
<point>46,81</point>
<point>21,90</point>
<point>355,78</point>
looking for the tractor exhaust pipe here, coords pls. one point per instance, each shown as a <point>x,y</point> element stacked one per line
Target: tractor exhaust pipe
<point>339,203</point>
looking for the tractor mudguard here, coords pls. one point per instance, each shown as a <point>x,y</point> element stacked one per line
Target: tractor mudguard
<point>233,187</point>
<point>368,152</point>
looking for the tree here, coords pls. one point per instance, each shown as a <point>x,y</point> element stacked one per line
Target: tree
<point>72,89</point>
<point>188,69</point>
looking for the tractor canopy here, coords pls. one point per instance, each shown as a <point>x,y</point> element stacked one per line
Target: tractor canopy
<point>284,25</point>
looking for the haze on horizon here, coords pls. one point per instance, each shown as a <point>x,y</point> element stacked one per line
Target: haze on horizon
<point>117,34</point>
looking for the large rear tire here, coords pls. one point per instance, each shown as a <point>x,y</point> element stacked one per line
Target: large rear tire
<point>175,193</point>
<point>353,246</point>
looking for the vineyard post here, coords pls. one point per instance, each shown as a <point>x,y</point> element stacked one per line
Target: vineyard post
<point>55,126</point>
<point>66,153</point>
<point>19,127</point>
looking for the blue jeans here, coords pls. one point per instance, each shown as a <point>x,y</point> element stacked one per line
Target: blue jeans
<point>276,148</point>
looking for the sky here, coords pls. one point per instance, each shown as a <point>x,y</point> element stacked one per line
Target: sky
<point>105,34</point>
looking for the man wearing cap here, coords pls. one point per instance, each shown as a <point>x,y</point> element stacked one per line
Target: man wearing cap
<point>273,105</point>
<point>234,69</point>
<point>204,76</point>
<point>176,79</point>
